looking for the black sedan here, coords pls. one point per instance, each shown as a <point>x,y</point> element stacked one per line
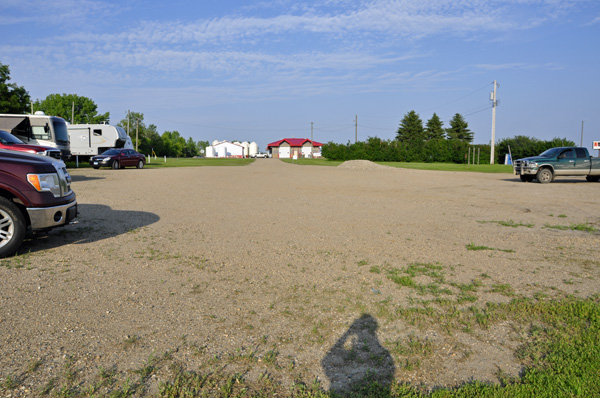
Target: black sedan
<point>118,159</point>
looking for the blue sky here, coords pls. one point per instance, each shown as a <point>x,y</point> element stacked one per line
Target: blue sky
<point>265,70</point>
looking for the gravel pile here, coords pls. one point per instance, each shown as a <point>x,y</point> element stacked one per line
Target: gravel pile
<point>363,165</point>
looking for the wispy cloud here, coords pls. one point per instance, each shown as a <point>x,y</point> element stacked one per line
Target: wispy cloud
<point>301,46</point>
<point>518,66</point>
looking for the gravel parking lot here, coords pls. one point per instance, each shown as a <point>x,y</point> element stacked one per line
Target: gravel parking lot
<point>289,271</point>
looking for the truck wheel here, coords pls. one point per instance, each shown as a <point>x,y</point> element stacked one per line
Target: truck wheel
<point>544,176</point>
<point>140,164</point>
<point>593,178</point>
<point>526,178</point>
<point>115,164</point>
<point>12,227</point>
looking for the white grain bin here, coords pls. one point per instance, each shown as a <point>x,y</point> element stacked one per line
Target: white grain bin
<point>210,151</point>
<point>246,146</point>
<point>222,151</point>
<point>253,149</point>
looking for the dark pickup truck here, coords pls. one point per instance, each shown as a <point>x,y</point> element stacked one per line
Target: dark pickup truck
<point>561,161</point>
<point>35,195</point>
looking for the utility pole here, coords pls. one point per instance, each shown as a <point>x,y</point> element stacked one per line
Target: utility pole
<point>73,112</point>
<point>494,104</point>
<point>581,144</point>
<point>355,128</point>
<point>137,127</point>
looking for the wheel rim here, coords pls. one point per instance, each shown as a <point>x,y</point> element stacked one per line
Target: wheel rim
<point>545,176</point>
<point>7,228</point>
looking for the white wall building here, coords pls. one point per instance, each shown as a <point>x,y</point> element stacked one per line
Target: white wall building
<point>225,149</point>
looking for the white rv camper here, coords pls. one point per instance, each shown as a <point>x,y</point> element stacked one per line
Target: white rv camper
<point>93,139</point>
<point>38,129</point>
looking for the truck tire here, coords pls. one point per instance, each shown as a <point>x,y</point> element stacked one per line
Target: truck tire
<point>12,227</point>
<point>593,178</point>
<point>115,164</point>
<point>545,175</point>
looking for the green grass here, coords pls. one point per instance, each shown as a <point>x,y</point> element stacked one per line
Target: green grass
<point>509,223</point>
<point>473,247</point>
<point>479,168</point>
<point>573,227</point>
<point>560,353</point>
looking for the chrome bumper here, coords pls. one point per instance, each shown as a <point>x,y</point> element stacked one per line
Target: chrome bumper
<point>49,217</point>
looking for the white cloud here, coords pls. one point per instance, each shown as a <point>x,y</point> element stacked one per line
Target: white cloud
<point>518,66</point>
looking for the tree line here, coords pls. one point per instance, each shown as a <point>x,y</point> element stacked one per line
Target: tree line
<point>432,142</point>
<point>414,142</point>
<point>82,110</point>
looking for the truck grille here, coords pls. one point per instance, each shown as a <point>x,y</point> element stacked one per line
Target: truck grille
<point>64,178</point>
<point>53,154</point>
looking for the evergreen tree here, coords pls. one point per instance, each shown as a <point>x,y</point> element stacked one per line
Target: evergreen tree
<point>411,129</point>
<point>434,128</point>
<point>13,99</point>
<point>459,130</point>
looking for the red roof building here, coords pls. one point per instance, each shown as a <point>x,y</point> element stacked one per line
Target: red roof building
<point>295,148</point>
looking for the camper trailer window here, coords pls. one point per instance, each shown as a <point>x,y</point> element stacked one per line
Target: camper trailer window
<point>40,132</point>
<point>98,132</point>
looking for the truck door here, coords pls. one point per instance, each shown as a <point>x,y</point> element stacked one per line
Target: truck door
<point>565,162</point>
<point>582,162</point>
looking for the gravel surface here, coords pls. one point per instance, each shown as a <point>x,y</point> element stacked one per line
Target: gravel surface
<point>285,270</point>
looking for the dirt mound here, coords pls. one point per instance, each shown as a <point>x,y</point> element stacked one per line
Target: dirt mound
<point>363,165</point>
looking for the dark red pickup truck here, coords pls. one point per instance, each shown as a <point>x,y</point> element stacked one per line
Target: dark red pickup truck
<point>35,195</point>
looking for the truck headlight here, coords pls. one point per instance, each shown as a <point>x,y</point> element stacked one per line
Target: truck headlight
<point>45,183</point>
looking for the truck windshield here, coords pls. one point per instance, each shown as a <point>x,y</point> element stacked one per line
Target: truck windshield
<point>60,131</point>
<point>550,153</point>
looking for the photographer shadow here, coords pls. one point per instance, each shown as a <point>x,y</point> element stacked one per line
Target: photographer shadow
<point>358,360</point>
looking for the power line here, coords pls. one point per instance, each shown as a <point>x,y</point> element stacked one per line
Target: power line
<point>458,99</point>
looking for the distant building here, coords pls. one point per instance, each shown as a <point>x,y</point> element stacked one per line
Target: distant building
<point>226,149</point>
<point>295,147</point>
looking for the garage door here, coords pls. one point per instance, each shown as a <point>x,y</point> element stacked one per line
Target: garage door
<point>284,152</point>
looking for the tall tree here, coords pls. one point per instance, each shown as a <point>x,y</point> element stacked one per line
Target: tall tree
<point>411,129</point>
<point>13,99</point>
<point>434,128</point>
<point>174,144</point>
<point>459,129</point>
<point>73,108</point>
<point>139,133</point>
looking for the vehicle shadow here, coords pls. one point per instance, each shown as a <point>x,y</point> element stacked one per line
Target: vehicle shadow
<point>93,223</point>
<point>558,180</point>
<point>358,360</point>
<point>78,178</point>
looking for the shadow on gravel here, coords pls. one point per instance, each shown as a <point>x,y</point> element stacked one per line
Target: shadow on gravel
<point>94,223</point>
<point>78,178</point>
<point>358,359</point>
<point>558,180</point>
